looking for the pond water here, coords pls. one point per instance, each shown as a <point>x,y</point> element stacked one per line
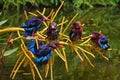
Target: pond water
<point>105,19</point>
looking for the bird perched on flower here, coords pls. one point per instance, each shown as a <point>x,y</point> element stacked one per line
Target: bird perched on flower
<point>76,31</point>
<point>44,52</point>
<point>100,40</point>
<point>33,25</point>
<point>52,31</point>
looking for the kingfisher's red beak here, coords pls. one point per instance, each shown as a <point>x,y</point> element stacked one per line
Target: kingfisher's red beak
<point>45,19</point>
<point>60,46</point>
<point>92,36</point>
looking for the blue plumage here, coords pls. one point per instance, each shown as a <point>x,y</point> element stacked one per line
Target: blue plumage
<point>103,42</point>
<point>32,46</point>
<point>43,59</point>
<point>44,52</point>
<point>33,25</point>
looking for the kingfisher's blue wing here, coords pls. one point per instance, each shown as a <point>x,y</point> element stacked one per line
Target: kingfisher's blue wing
<point>28,23</point>
<point>43,50</point>
<point>103,43</point>
<point>31,26</point>
<point>43,59</point>
<point>38,26</point>
<point>36,23</point>
<point>31,47</point>
<point>31,22</point>
<point>71,34</point>
<point>27,27</point>
<point>104,46</point>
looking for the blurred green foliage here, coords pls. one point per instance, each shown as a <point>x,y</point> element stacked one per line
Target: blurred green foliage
<point>8,4</point>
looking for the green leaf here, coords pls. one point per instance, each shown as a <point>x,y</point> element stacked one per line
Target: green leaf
<point>52,1</point>
<point>2,22</point>
<point>9,52</point>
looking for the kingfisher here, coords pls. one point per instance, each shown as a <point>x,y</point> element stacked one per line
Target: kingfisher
<point>52,31</point>
<point>44,52</point>
<point>76,31</point>
<point>100,40</point>
<point>33,25</point>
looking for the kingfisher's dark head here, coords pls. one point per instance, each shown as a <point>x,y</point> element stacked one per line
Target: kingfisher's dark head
<point>43,18</point>
<point>77,25</point>
<point>53,25</point>
<point>55,44</point>
<point>95,35</point>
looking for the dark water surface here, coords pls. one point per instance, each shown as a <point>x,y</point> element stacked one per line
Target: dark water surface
<point>106,20</point>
